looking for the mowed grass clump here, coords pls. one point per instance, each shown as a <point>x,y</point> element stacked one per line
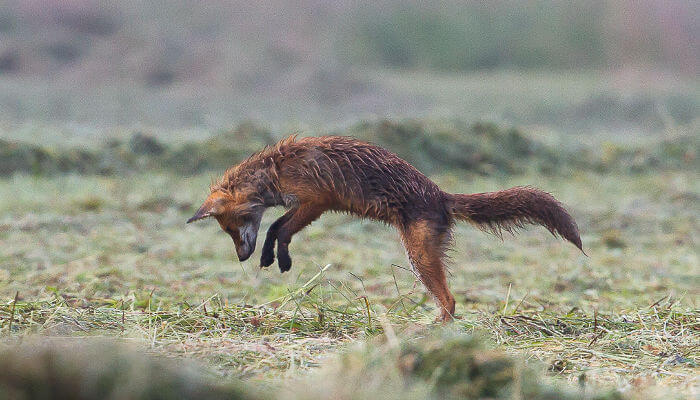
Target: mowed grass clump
<point>480,147</point>
<point>431,146</point>
<point>141,152</point>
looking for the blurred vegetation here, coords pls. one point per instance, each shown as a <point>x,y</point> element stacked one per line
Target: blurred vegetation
<point>485,35</point>
<point>445,35</point>
<point>441,365</point>
<point>432,146</point>
<point>103,370</point>
<point>541,34</point>
<point>136,62</point>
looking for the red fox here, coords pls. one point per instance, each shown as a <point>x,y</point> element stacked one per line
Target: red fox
<point>312,175</point>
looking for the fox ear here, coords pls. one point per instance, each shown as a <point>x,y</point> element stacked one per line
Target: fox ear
<point>213,205</point>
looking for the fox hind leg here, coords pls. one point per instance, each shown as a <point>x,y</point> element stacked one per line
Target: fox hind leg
<point>425,245</point>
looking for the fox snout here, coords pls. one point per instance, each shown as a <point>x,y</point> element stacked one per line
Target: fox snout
<point>245,245</point>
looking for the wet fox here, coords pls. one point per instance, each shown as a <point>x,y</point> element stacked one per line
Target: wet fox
<point>312,175</point>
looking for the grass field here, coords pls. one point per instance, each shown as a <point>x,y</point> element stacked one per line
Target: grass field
<point>94,241</point>
<point>111,256</point>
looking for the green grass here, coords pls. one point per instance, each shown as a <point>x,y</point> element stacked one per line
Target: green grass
<point>107,256</point>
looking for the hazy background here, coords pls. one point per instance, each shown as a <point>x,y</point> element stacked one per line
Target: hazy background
<point>620,66</point>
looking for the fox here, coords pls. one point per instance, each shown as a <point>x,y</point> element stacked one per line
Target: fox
<point>311,175</point>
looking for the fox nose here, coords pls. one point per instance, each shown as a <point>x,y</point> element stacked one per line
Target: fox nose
<point>244,252</point>
<point>247,245</point>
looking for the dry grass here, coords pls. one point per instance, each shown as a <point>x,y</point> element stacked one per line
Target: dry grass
<point>628,351</point>
<point>631,347</point>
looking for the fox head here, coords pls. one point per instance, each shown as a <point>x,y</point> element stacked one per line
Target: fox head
<point>237,215</point>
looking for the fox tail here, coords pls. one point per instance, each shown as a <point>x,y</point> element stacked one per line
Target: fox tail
<point>510,209</point>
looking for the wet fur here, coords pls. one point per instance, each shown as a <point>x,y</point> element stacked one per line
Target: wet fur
<point>310,176</point>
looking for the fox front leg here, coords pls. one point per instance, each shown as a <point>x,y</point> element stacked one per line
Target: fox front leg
<point>268,253</point>
<point>304,215</point>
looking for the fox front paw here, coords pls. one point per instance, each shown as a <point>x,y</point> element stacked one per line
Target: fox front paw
<point>284,261</point>
<point>267,258</point>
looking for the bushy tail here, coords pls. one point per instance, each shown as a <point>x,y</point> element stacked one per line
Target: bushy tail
<point>512,208</point>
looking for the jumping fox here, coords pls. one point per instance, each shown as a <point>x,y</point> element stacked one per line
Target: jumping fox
<point>312,175</point>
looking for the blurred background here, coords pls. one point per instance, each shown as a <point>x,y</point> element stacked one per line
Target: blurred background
<point>623,65</point>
